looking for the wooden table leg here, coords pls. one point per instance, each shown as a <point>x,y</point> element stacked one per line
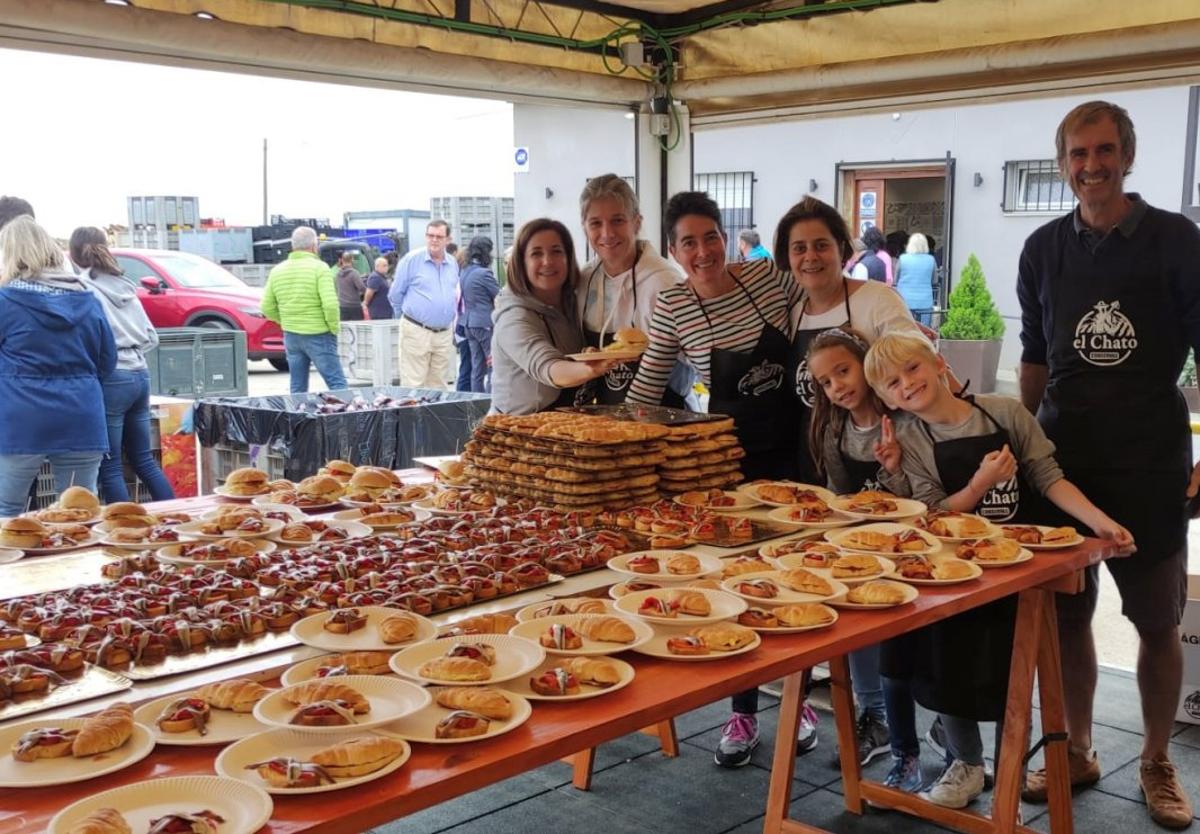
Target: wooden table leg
<point>664,731</point>
<point>582,764</point>
<point>783,765</point>
<point>842,696</point>
<point>1050,693</point>
<point>1006,796</point>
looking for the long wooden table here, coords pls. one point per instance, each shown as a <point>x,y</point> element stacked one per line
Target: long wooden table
<point>662,690</point>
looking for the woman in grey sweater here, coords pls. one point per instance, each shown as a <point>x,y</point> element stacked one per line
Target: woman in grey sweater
<point>127,388</point>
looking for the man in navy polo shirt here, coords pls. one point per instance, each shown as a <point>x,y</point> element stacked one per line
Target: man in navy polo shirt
<point>1110,307</point>
<point>423,297</point>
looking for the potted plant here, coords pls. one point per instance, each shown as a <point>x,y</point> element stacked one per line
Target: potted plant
<point>972,331</point>
<point>1187,384</point>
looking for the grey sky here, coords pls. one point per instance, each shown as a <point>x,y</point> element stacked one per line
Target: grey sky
<point>99,131</point>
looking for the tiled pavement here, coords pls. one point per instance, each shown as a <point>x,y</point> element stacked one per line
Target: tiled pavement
<point>636,789</point>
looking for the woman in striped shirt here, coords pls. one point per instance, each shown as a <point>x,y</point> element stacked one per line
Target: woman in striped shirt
<point>731,323</point>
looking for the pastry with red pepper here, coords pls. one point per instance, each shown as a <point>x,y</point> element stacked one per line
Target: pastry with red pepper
<point>43,743</point>
<point>201,822</point>
<point>332,713</point>
<point>562,637</point>
<point>345,621</point>
<point>183,714</point>
<point>286,772</point>
<point>555,682</point>
<point>462,724</point>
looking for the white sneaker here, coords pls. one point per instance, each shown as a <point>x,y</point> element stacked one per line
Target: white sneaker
<point>957,786</point>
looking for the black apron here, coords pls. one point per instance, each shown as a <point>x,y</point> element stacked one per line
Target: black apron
<point>613,387</point>
<point>959,666</point>
<point>750,388</point>
<point>1111,404</point>
<point>803,390</point>
<point>861,474</point>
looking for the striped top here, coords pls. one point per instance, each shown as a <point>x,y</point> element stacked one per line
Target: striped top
<point>678,324</point>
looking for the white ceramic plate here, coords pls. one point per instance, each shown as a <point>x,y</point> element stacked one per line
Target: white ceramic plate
<point>530,612</point>
<point>976,572</point>
<point>421,726</point>
<point>311,632</point>
<point>390,699</point>
<point>10,554</point>
<point>265,501</point>
<point>838,537</point>
<point>658,646</point>
<point>991,531</point>
<point>708,564</point>
<point>356,514</point>
<point>783,516</point>
<point>886,566</point>
<point>786,595</point>
<point>221,491</point>
<point>294,512</point>
<point>427,504</point>
<point>724,605</point>
<point>60,771</point>
<point>606,355</point>
<point>224,725</point>
<point>171,552</point>
<point>534,629</point>
<point>742,501</point>
<point>90,541</point>
<point>1078,540</point>
<point>306,670</point>
<point>910,593</point>
<point>521,685</point>
<point>822,493</point>
<point>354,530</point>
<point>905,508</point>
<point>262,747</point>
<point>1023,556</point>
<point>797,629</point>
<point>245,808</point>
<point>515,656</point>
<point>192,528</point>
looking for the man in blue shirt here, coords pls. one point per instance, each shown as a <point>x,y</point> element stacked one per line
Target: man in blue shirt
<point>423,298</point>
<point>750,245</point>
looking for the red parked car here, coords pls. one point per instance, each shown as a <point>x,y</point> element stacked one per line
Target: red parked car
<point>179,289</point>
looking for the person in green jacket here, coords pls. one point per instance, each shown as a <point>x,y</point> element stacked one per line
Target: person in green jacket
<point>300,296</point>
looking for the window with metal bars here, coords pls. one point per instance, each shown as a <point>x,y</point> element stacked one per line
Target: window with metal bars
<point>733,192</point>
<point>1035,185</point>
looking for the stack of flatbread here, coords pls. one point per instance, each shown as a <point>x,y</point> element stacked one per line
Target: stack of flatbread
<point>567,461</point>
<point>700,456</point>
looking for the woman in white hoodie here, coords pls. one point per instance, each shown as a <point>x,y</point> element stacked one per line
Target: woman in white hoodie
<point>618,287</point>
<point>127,388</point>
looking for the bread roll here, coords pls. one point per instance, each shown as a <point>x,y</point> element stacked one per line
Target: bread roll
<point>78,498</point>
<point>359,755</point>
<point>104,731</point>
<point>481,699</point>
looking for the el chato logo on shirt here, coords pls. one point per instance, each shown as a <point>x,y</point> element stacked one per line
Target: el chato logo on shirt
<point>1105,336</point>
<point>804,385</point>
<point>1001,501</point>
<point>760,379</point>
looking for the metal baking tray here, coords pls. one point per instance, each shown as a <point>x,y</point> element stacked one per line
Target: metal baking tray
<point>92,682</point>
<point>209,656</point>
<point>657,414</point>
<point>38,574</point>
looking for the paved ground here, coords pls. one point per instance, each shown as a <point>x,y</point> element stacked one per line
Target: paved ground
<point>637,789</point>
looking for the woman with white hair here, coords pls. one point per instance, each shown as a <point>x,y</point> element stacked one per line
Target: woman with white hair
<point>55,347</point>
<point>915,279</point>
<point>620,284</point>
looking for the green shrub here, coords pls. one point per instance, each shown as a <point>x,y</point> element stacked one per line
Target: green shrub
<point>972,314</point>
<point>1187,379</point>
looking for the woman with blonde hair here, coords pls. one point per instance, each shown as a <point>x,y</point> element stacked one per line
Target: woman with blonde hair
<point>914,281</point>
<point>536,325</point>
<point>55,347</point>
<point>127,388</point>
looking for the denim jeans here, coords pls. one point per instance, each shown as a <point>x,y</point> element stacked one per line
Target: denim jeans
<point>127,409</point>
<point>463,381</point>
<point>864,677</point>
<point>901,714</point>
<point>318,349</point>
<point>18,472</point>
<point>480,341</point>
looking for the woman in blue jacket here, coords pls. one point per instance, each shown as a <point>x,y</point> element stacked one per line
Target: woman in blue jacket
<point>479,288</point>
<point>915,279</point>
<point>55,347</point>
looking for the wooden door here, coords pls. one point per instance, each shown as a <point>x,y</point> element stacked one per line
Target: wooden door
<point>869,205</point>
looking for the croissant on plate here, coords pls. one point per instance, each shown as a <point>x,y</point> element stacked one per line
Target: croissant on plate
<point>104,731</point>
<point>877,592</point>
<point>488,702</point>
<point>239,695</point>
<point>606,629</point>
<point>455,669</point>
<point>397,628</point>
<point>359,755</point>
<point>593,670</point>
<point>102,821</point>
<point>312,691</point>
<point>690,602</point>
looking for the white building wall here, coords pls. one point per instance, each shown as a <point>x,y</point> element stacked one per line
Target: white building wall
<point>786,155</point>
<point>566,147</point>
